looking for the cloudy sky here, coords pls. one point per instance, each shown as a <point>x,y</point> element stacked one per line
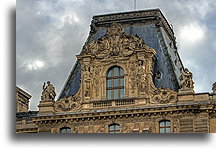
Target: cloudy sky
<point>49,33</point>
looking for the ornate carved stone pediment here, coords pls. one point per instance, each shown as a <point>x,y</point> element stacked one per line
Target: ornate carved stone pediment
<point>114,43</point>
<point>164,96</point>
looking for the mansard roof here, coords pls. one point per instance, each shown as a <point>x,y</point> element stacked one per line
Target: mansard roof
<point>154,29</point>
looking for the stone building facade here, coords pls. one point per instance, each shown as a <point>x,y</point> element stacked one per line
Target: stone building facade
<point>128,78</point>
<point>22,100</point>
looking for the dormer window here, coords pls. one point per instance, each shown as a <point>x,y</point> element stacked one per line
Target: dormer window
<point>115,83</point>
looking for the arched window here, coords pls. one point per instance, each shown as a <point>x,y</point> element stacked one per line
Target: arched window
<point>115,83</point>
<point>65,130</point>
<point>114,128</point>
<point>164,126</point>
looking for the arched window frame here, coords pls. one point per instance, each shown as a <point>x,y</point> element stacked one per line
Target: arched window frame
<point>114,128</point>
<point>65,130</point>
<point>164,126</point>
<point>115,83</point>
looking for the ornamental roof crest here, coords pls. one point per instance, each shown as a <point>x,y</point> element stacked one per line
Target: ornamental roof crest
<point>115,43</point>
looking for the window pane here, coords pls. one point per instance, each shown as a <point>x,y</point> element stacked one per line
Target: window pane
<point>162,130</point>
<point>109,94</point>
<point>167,130</point>
<point>109,83</point>
<point>115,79</point>
<point>121,82</point>
<point>68,130</point>
<point>162,124</point>
<point>115,71</point>
<point>111,127</point>
<point>121,93</point>
<point>116,82</point>
<point>63,131</point>
<point>117,127</point>
<point>110,73</point>
<point>121,72</point>
<point>115,93</point>
<point>167,123</point>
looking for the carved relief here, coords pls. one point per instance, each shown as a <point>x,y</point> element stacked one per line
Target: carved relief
<point>97,80</point>
<point>164,96</point>
<point>114,43</point>
<point>132,75</point>
<point>152,127</point>
<point>70,103</point>
<point>125,128</point>
<point>176,126</point>
<point>186,81</point>
<point>101,129</point>
<point>55,130</point>
<point>75,129</point>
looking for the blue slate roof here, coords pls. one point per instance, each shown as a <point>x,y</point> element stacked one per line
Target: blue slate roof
<point>167,60</point>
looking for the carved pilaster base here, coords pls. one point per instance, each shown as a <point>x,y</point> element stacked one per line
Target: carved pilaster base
<point>46,107</point>
<point>188,91</point>
<point>186,95</point>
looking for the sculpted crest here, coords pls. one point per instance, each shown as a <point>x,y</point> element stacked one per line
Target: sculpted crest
<point>114,43</point>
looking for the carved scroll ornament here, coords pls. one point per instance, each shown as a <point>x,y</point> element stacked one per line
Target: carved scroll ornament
<point>70,103</point>
<point>164,96</point>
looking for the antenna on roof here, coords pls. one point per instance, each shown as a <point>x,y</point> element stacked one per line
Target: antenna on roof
<point>134,4</point>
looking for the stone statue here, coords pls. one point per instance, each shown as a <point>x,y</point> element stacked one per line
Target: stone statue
<point>214,87</point>
<point>86,79</point>
<point>142,83</point>
<point>48,92</point>
<point>141,67</point>
<point>87,88</point>
<point>186,81</point>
